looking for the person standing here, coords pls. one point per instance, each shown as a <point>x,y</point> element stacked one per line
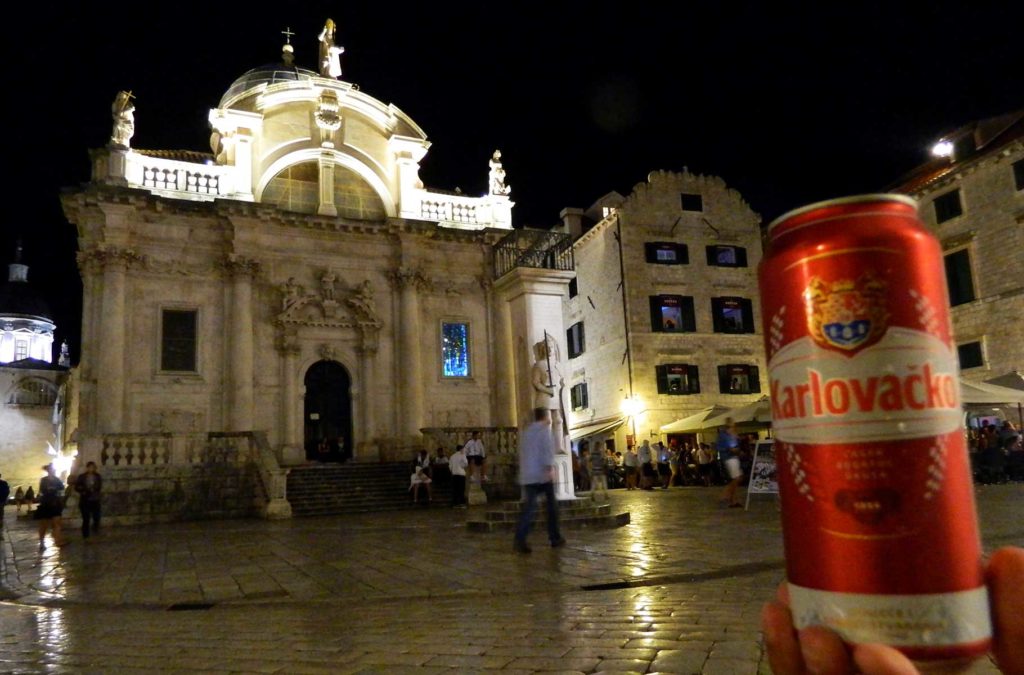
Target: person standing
<point>630,463</point>
<point>457,464</point>
<point>646,461</point>
<point>51,507</point>
<point>89,487</point>
<point>728,444</point>
<point>477,456</point>
<point>536,475</point>
<point>664,465</point>
<point>705,463</point>
<point>5,494</point>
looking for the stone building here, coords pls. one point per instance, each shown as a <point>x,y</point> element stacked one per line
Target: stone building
<point>295,294</point>
<point>34,389</point>
<point>972,197</point>
<point>682,331</point>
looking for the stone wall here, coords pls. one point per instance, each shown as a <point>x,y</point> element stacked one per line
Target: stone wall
<point>653,213</point>
<point>991,228</point>
<point>148,494</point>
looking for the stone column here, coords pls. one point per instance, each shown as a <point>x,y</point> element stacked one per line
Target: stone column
<point>410,366</point>
<point>110,375</point>
<point>505,382</point>
<point>366,449</point>
<point>292,450</point>
<point>241,355</point>
<point>327,206</point>
<point>534,297</point>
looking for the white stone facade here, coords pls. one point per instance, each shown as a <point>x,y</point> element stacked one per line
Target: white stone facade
<point>653,213</point>
<point>31,417</point>
<point>305,238</point>
<point>990,230</point>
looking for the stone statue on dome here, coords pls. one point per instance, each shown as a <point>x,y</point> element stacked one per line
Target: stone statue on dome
<point>123,112</point>
<point>496,177</point>
<point>330,53</point>
<point>548,387</point>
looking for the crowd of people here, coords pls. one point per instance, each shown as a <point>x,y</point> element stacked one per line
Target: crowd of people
<point>997,452</point>
<point>657,465</point>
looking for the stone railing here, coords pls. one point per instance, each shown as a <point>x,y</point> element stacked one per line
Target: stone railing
<point>225,449</point>
<point>450,208</point>
<point>190,180</point>
<point>497,440</point>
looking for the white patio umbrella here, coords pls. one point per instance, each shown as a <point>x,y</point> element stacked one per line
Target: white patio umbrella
<point>758,412</point>
<point>694,422</point>
<point>983,393</point>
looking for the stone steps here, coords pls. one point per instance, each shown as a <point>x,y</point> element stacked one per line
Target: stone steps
<point>321,490</point>
<point>572,514</point>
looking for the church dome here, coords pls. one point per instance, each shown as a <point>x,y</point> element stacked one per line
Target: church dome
<point>270,73</point>
<point>21,300</point>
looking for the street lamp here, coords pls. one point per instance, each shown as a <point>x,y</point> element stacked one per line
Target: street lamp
<point>632,407</point>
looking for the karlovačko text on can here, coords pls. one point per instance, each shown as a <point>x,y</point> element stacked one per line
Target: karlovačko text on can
<point>879,521</point>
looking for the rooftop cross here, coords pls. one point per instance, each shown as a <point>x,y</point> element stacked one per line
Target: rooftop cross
<point>287,33</point>
<point>287,51</point>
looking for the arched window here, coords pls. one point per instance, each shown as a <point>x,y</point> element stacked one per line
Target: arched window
<point>296,188</point>
<point>32,391</point>
<point>354,198</point>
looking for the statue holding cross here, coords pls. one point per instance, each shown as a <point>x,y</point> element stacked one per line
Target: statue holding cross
<point>123,112</point>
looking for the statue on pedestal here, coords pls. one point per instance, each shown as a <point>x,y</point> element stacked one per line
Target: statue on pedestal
<point>548,387</point>
<point>362,302</point>
<point>496,177</point>
<point>123,112</point>
<point>330,54</point>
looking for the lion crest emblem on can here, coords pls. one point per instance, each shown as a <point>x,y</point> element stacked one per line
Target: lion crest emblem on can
<point>847,315</point>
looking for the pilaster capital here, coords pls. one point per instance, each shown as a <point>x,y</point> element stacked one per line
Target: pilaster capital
<point>288,344</point>
<point>240,266</point>
<point>95,260</point>
<point>409,277</point>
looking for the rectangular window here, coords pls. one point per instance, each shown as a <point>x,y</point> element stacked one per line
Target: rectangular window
<point>959,278</point>
<point>178,340</point>
<point>970,355</point>
<point>576,340</point>
<point>677,379</point>
<point>578,395</point>
<point>455,359</point>
<point>727,256</point>
<point>1018,174</point>
<point>20,350</point>
<point>666,253</point>
<point>738,379</point>
<point>574,288</point>
<point>691,202</point>
<point>732,315</point>
<point>947,206</point>
<point>672,314</point>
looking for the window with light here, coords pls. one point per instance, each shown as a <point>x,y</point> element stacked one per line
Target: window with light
<point>455,349</point>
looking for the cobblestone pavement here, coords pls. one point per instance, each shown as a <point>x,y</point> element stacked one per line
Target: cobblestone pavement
<point>407,591</point>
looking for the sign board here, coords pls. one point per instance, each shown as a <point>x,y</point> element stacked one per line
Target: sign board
<point>763,476</point>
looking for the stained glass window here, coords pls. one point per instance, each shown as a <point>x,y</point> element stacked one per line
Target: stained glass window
<point>455,349</point>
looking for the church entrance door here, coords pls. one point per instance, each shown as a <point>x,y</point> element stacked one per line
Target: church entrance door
<point>328,412</point>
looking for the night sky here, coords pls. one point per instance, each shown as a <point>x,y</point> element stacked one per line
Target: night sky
<point>788,106</point>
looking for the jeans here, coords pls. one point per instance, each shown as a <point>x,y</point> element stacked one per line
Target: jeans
<point>89,510</point>
<point>530,510</point>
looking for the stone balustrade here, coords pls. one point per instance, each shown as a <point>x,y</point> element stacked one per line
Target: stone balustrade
<point>186,475</point>
<point>189,180</point>
<point>450,208</point>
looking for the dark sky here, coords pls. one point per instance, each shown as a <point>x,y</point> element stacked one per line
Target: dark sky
<point>788,105</point>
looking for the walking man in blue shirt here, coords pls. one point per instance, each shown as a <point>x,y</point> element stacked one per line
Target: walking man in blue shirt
<point>536,474</point>
<point>728,444</point>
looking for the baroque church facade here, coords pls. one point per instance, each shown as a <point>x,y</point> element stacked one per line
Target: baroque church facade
<point>298,279</point>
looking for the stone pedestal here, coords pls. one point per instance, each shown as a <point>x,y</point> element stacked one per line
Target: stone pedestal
<point>475,494</point>
<point>563,482</point>
<point>293,455</point>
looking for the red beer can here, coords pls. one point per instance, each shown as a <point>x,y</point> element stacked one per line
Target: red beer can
<point>879,520</point>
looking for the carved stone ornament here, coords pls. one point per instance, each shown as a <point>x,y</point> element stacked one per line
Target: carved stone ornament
<point>406,277</point>
<point>327,114</point>
<point>328,352</point>
<point>300,307</point>
<point>95,259</point>
<point>237,265</point>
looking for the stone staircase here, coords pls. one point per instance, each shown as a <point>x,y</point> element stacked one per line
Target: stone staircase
<point>572,514</point>
<point>328,489</point>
